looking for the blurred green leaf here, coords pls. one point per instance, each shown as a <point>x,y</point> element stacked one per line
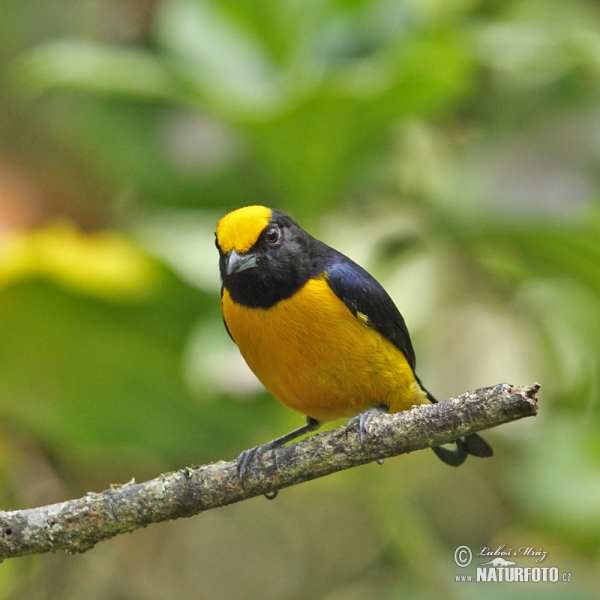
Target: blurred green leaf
<point>533,250</point>
<point>96,68</point>
<point>223,64</point>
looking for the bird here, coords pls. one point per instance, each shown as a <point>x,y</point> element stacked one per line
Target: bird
<point>320,333</point>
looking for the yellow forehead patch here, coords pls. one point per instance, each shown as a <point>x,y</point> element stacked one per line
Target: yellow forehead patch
<point>240,229</point>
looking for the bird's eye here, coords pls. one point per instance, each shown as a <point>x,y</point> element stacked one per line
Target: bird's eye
<point>272,235</point>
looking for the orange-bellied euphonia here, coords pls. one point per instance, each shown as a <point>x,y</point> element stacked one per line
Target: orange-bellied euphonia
<point>320,333</point>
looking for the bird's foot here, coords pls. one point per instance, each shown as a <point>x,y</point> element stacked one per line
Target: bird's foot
<point>363,420</point>
<point>244,460</point>
<point>246,457</point>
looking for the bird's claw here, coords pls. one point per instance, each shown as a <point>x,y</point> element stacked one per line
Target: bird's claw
<point>243,462</point>
<point>363,421</point>
<point>246,456</point>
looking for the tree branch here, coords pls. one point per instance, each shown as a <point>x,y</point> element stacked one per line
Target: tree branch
<point>77,525</point>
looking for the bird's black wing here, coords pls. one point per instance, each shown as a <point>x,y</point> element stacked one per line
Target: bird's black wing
<point>367,300</point>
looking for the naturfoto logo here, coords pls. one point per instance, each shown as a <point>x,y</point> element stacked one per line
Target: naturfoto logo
<point>501,567</point>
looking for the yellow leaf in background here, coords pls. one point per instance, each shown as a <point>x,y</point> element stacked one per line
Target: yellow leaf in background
<point>102,263</point>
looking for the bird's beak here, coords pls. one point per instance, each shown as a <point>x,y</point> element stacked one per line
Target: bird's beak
<point>236,263</point>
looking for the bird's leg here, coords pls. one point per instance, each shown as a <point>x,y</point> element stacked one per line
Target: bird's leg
<point>246,456</point>
<point>362,420</point>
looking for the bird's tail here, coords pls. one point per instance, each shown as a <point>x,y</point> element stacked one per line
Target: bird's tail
<point>472,444</point>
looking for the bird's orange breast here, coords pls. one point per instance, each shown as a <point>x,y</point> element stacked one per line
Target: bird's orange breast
<point>317,358</point>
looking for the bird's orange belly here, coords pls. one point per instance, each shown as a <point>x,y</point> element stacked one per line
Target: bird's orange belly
<point>317,358</point>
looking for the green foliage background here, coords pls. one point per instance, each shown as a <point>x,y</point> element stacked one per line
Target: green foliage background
<point>449,147</point>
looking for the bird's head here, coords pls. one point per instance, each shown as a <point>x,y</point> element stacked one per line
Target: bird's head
<point>264,255</point>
